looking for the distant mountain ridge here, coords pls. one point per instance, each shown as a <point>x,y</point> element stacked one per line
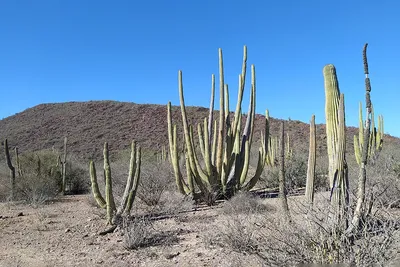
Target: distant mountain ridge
<point>89,124</point>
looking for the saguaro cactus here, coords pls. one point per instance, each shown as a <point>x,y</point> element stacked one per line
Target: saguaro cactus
<point>226,157</point>
<point>114,214</point>
<point>311,162</point>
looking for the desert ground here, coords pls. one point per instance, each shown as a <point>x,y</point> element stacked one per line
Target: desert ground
<point>65,232</point>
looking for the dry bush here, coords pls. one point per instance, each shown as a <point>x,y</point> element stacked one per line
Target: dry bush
<point>140,232</point>
<point>41,177</point>
<point>383,180</point>
<point>313,237</point>
<point>156,177</point>
<point>245,203</point>
<point>239,231</point>
<point>295,174</point>
<point>173,204</point>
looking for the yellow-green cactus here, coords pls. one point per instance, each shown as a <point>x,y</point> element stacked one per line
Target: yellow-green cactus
<point>225,154</point>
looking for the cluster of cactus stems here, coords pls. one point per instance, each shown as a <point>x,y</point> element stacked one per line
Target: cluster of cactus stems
<point>312,151</point>
<point>375,139</point>
<point>336,140</point>
<point>114,213</point>
<point>225,153</point>
<point>371,142</point>
<point>271,158</point>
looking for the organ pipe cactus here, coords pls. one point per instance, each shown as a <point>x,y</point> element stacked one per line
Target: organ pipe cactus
<point>375,138</point>
<point>114,214</point>
<point>225,153</point>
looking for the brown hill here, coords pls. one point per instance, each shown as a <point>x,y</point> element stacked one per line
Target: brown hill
<point>89,124</point>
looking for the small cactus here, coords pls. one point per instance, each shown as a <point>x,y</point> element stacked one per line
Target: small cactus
<point>114,214</point>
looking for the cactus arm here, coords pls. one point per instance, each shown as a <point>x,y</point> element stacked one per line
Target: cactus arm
<point>135,185</point>
<point>211,112</point>
<point>129,181</point>
<point>95,187</point>
<point>207,150</point>
<point>214,144</point>
<point>357,151</point>
<point>201,140</point>
<point>172,136</point>
<point>220,145</point>
<point>109,195</point>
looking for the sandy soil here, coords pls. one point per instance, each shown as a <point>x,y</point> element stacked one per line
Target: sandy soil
<point>65,233</point>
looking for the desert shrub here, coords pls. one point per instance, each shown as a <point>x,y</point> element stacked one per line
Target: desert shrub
<point>313,237</point>
<point>172,204</point>
<point>295,174</point>
<point>245,203</point>
<point>138,232</point>
<point>77,179</point>
<point>40,180</point>
<point>155,178</point>
<point>41,177</point>
<point>141,231</point>
<point>383,181</point>
<point>239,233</point>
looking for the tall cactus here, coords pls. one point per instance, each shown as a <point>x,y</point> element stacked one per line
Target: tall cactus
<point>282,180</point>
<point>12,169</point>
<point>311,162</point>
<point>358,212</point>
<point>114,214</point>
<point>336,140</point>
<point>332,94</point>
<point>226,156</point>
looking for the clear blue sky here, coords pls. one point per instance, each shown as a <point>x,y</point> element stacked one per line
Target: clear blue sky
<point>79,50</point>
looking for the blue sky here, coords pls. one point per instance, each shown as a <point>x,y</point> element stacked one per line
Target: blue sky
<point>79,50</point>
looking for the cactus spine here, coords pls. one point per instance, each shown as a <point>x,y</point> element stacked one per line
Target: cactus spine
<point>225,154</point>
<point>311,163</point>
